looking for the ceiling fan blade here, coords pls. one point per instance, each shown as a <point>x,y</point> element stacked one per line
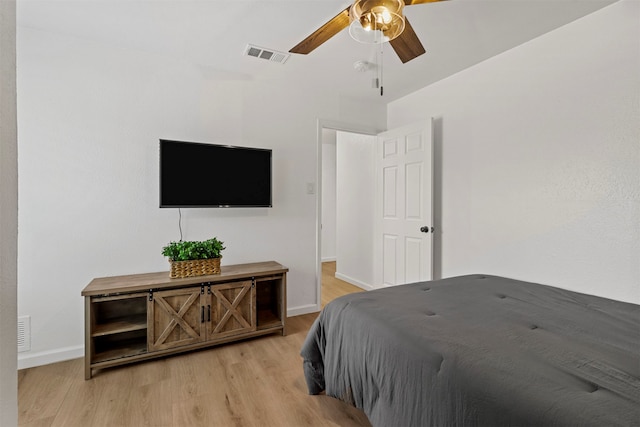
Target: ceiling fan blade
<point>410,2</point>
<point>324,33</point>
<point>407,45</point>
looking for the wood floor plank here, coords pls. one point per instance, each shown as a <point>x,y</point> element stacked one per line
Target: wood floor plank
<point>150,372</point>
<point>112,404</point>
<point>41,422</point>
<point>80,403</point>
<point>150,405</point>
<point>257,382</point>
<point>41,392</point>
<point>200,411</point>
<point>188,376</point>
<point>332,287</point>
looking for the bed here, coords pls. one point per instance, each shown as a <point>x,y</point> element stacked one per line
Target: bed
<point>478,350</point>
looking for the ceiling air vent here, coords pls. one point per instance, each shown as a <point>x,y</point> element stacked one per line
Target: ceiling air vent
<point>268,54</point>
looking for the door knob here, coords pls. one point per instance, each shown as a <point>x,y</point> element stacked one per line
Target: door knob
<point>425,229</point>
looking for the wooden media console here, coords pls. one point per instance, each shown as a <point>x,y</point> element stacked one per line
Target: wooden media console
<point>143,316</point>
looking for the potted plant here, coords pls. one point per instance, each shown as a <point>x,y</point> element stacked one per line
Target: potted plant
<point>194,258</point>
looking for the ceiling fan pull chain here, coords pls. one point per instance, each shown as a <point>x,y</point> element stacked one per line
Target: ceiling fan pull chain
<point>380,67</point>
<point>373,57</point>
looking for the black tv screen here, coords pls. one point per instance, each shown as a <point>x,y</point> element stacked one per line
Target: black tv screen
<point>194,174</point>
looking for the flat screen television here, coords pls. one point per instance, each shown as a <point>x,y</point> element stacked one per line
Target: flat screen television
<point>194,174</point>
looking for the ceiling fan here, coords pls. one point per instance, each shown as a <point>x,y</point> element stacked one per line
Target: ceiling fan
<point>371,21</point>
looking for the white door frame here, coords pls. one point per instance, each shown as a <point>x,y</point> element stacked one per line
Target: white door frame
<point>338,126</point>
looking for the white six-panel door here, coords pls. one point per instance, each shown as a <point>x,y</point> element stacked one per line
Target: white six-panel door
<point>403,244</point>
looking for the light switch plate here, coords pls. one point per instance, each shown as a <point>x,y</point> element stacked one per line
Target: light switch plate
<point>311,188</point>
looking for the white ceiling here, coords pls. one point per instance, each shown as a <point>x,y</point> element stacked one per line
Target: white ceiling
<point>215,33</point>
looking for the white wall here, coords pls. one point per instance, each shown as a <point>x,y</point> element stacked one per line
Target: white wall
<point>541,170</point>
<point>355,156</point>
<point>89,119</point>
<point>8,216</point>
<point>328,216</point>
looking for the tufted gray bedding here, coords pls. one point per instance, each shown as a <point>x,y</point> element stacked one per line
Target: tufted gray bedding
<point>479,351</point>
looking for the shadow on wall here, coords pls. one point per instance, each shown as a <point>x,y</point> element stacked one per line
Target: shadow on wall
<point>438,130</point>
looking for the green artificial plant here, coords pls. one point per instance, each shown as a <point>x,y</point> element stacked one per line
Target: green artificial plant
<point>189,250</point>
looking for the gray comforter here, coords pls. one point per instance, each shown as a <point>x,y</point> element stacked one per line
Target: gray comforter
<point>479,350</point>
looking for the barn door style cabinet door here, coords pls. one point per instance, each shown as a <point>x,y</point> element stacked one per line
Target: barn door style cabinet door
<point>232,309</point>
<point>137,317</point>
<point>180,317</point>
<point>174,318</point>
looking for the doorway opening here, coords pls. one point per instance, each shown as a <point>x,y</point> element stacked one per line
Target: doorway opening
<point>338,151</point>
<point>384,204</point>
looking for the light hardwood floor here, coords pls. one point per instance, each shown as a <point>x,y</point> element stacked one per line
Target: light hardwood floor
<point>332,288</point>
<point>257,382</point>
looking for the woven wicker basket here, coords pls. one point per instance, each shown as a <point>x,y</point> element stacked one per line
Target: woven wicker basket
<point>195,267</point>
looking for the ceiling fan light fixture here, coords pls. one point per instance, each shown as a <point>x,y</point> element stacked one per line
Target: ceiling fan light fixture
<point>376,21</point>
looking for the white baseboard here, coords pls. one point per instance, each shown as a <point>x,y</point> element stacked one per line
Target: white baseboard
<point>52,356</point>
<point>328,259</point>
<point>361,285</point>
<point>303,309</point>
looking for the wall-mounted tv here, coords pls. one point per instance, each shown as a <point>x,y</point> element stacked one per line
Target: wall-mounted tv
<point>194,174</point>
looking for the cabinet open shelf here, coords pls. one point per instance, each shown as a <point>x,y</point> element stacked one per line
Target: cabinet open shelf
<point>117,346</point>
<point>119,353</point>
<point>267,319</point>
<point>268,302</point>
<point>122,324</point>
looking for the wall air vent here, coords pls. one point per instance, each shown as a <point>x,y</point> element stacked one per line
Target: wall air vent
<point>268,54</point>
<point>24,333</point>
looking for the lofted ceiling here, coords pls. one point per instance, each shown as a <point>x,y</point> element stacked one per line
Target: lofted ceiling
<point>214,34</point>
